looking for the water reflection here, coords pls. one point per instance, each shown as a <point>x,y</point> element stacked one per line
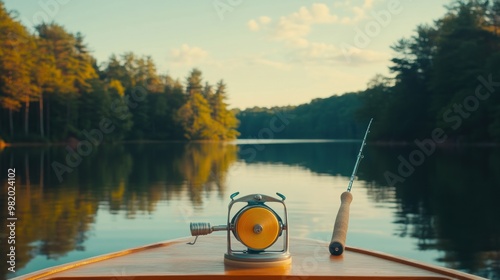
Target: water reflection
<point>333,158</point>
<point>54,217</point>
<point>449,204</point>
<point>464,201</point>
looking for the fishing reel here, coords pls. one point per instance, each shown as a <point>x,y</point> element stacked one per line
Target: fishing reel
<point>257,227</point>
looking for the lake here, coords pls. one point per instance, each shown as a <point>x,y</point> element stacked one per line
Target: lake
<point>441,208</point>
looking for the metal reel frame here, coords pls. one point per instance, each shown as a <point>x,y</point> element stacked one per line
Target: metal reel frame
<point>257,200</point>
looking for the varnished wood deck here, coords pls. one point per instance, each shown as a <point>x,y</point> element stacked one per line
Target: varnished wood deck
<point>205,260</point>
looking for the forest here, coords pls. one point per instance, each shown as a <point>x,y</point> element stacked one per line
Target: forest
<point>53,90</point>
<point>334,117</point>
<point>445,80</point>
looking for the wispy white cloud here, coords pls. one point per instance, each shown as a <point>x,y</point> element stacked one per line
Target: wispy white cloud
<point>295,26</point>
<point>331,55</point>
<point>265,19</point>
<point>368,4</point>
<point>361,56</point>
<point>294,29</point>
<point>272,63</point>
<point>188,55</point>
<point>339,4</point>
<point>359,13</point>
<point>255,25</point>
<point>313,53</point>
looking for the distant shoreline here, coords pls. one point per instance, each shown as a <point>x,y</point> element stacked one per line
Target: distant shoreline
<point>47,144</point>
<point>4,144</point>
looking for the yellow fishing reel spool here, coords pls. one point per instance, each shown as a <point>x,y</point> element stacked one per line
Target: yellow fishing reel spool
<point>257,227</point>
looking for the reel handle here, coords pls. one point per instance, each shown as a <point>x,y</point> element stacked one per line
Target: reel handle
<point>204,228</point>
<point>339,235</point>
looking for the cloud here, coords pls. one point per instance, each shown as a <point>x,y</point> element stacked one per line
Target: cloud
<point>188,55</point>
<point>317,13</point>
<point>255,25</point>
<point>294,28</point>
<point>359,12</point>
<point>339,4</point>
<point>265,20</point>
<point>272,63</point>
<point>293,31</point>
<point>330,55</point>
<point>357,56</point>
<point>368,4</point>
<point>319,50</point>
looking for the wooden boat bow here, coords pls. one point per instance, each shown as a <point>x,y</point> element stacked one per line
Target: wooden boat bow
<point>177,260</point>
<point>249,249</point>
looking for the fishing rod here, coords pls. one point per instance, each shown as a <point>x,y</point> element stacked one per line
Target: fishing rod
<point>339,235</point>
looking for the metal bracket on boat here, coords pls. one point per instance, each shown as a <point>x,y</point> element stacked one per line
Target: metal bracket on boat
<point>257,227</point>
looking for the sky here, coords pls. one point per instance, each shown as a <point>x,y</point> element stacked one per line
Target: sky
<point>269,53</point>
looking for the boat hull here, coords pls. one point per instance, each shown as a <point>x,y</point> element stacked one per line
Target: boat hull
<point>205,260</point>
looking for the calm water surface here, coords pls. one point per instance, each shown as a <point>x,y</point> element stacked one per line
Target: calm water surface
<point>121,196</point>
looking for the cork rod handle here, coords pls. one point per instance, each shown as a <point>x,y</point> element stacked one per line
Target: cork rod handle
<point>341,224</point>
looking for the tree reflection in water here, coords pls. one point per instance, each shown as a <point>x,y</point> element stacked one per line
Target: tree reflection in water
<point>54,217</point>
<point>449,204</point>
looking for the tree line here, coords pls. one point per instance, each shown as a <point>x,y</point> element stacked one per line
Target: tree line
<point>446,80</point>
<point>52,90</point>
<point>323,118</point>
<point>446,76</point>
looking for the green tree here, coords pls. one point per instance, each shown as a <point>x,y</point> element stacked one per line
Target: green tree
<point>174,93</point>
<point>410,97</point>
<point>436,71</point>
<point>377,101</point>
<point>144,89</point>
<point>322,118</point>
<point>116,71</point>
<point>464,48</point>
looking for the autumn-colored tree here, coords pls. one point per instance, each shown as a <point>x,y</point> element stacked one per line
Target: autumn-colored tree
<point>16,62</point>
<point>72,59</point>
<point>221,114</point>
<point>55,68</point>
<point>195,115</point>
